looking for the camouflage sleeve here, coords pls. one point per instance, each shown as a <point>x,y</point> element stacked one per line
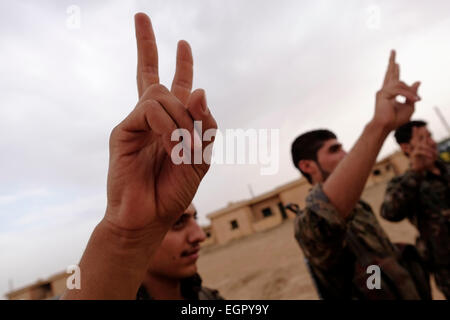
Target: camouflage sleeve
<point>320,231</point>
<point>400,198</point>
<point>209,294</point>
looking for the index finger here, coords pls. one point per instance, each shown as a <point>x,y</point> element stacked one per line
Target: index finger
<point>391,68</point>
<point>147,66</point>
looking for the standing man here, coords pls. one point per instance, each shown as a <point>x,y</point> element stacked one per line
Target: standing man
<point>339,234</point>
<point>422,195</point>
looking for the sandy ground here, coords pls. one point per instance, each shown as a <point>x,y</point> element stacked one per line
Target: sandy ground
<point>270,265</point>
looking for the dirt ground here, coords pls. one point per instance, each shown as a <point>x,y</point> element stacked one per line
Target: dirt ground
<point>270,265</point>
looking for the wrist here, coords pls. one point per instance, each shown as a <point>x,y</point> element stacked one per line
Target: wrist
<point>378,129</point>
<point>123,242</point>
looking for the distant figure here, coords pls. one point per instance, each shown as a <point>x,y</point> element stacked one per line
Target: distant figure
<point>338,233</point>
<point>422,195</point>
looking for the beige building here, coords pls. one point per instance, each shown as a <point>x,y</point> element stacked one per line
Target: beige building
<point>266,211</point>
<point>50,288</point>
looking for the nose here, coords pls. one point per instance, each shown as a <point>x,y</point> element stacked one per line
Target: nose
<point>196,233</point>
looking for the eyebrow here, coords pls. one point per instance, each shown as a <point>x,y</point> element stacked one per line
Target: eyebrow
<point>335,147</point>
<point>186,215</point>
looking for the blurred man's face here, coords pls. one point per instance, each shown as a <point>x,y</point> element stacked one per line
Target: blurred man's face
<point>422,136</point>
<point>177,256</point>
<point>328,157</point>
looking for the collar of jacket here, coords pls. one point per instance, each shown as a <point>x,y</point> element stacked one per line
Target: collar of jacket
<point>190,287</point>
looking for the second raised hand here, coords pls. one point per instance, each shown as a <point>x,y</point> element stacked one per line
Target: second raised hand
<point>388,111</point>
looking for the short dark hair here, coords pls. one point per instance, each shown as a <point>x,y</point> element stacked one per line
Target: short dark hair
<point>403,134</point>
<point>305,147</point>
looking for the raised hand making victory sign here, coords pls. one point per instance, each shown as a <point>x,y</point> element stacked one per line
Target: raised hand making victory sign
<point>143,182</point>
<point>146,190</point>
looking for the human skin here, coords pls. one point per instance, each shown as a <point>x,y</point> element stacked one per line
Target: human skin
<point>349,172</point>
<point>176,257</point>
<point>146,191</point>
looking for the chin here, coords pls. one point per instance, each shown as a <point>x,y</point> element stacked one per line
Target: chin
<point>189,271</point>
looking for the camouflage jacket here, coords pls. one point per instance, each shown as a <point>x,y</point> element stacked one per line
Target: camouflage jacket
<point>425,201</point>
<point>338,262</point>
<point>191,289</point>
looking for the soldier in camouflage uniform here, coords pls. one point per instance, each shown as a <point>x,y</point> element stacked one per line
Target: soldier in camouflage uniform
<point>191,289</point>
<point>172,272</point>
<point>339,234</point>
<point>422,195</point>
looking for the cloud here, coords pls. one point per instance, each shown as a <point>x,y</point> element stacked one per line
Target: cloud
<point>287,65</point>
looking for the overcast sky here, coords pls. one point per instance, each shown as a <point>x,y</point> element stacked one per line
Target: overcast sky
<point>287,65</point>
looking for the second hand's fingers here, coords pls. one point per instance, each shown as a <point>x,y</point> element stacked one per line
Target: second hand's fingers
<point>415,86</point>
<point>182,81</point>
<point>393,92</point>
<point>425,154</point>
<point>147,66</point>
<point>390,69</point>
<point>396,72</point>
<point>414,137</point>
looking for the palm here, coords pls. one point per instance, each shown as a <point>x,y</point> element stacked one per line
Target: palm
<point>143,182</point>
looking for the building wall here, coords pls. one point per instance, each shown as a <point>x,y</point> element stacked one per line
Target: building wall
<point>262,223</point>
<point>41,292</point>
<point>222,227</point>
<point>211,239</point>
<point>381,172</point>
<point>24,295</point>
<point>295,195</point>
<point>59,284</point>
<point>400,162</point>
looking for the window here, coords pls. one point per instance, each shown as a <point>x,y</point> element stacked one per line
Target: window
<point>266,212</point>
<point>234,224</point>
<point>208,234</point>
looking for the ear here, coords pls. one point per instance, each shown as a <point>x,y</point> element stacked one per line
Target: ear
<point>406,148</point>
<point>307,166</point>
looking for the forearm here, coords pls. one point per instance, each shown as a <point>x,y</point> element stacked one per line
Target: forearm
<point>114,262</point>
<point>345,185</point>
